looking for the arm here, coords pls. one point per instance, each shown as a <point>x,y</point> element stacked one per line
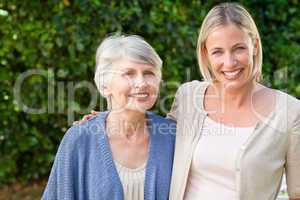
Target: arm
<point>293,162</point>
<point>60,182</point>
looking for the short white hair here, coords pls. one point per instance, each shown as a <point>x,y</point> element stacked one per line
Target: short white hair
<point>114,48</point>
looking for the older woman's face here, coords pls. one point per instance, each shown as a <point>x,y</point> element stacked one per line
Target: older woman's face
<point>230,53</point>
<point>134,86</point>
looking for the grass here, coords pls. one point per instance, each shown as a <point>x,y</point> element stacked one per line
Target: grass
<point>18,191</point>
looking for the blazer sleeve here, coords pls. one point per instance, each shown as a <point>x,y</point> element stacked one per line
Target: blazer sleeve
<point>61,181</point>
<point>293,161</point>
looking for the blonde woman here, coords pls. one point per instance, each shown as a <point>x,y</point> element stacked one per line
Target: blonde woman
<point>125,152</point>
<point>235,137</point>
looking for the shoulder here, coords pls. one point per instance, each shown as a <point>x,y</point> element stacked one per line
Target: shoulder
<point>189,98</point>
<point>289,110</point>
<point>192,86</point>
<point>275,98</point>
<point>81,133</point>
<point>286,111</point>
<point>285,107</point>
<point>288,103</point>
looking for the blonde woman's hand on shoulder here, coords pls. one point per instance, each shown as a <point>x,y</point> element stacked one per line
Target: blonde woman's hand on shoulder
<point>86,117</point>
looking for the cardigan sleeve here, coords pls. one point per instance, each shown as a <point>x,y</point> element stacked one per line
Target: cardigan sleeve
<point>61,181</point>
<point>293,161</point>
<point>174,112</point>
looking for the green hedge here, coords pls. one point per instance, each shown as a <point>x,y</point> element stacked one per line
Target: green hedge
<point>58,39</point>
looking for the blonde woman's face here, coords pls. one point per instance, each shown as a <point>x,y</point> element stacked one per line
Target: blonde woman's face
<point>134,86</point>
<point>230,54</point>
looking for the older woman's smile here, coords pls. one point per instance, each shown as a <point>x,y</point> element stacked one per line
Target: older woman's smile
<point>139,95</point>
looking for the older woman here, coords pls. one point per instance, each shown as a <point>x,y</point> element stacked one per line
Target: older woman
<point>235,137</point>
<point>126,152</point>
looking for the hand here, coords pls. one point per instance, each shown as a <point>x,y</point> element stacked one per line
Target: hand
<point>86,117</point>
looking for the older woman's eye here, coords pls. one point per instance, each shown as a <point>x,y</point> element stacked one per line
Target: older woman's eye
<point>149,73</point>
<point>128,73</point>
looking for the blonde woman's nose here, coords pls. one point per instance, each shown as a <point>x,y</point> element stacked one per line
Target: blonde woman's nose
<point>229,61</point>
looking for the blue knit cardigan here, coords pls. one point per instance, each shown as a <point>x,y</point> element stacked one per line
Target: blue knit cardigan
<point>84,168</point>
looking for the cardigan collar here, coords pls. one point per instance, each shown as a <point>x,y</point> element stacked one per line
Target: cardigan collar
<point>150,176</point>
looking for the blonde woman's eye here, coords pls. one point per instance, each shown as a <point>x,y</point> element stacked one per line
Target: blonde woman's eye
<point>216,52</point>
<point>240,48</point>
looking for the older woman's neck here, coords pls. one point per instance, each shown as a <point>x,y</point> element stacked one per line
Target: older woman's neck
<point>131,124</point>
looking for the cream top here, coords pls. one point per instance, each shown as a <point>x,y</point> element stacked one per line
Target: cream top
<point>212,174</point>
<point>132,181</point>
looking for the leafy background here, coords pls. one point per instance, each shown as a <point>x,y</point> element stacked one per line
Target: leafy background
<point>60,38</point>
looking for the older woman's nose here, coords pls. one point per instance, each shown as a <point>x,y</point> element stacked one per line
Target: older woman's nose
<point>140,81</point>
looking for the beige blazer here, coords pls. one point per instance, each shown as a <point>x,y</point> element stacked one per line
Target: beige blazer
<point>273,146</point>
